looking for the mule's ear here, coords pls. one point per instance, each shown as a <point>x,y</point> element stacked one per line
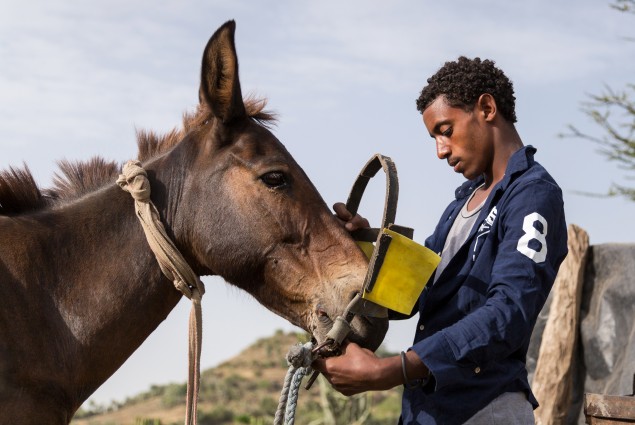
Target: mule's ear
<point>220,86</point>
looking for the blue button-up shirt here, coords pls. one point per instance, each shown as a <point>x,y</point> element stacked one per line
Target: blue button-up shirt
<point>476,321</point>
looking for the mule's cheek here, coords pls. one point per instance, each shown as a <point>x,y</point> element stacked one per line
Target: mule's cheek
<point>248,203</point>
<point>286,291</point>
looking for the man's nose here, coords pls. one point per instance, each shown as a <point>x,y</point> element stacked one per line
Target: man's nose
<point>443,150</point>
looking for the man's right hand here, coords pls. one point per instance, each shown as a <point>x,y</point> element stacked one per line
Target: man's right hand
<point>349,221</point>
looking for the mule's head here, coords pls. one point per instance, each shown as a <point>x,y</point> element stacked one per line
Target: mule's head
<point>254,218</point>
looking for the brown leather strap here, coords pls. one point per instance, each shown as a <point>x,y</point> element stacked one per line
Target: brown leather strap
<point>376,163</point>
<point>376,261</point>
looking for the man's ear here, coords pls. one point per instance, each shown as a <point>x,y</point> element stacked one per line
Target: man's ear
<point>486,105</point>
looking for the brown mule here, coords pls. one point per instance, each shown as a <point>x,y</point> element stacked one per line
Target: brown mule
<point>80,289</point>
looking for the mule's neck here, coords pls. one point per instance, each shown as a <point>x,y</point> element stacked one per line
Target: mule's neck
<point>106,284</point>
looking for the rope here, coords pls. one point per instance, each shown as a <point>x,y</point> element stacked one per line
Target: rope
<point>134,180</point>
<point>299,359</point>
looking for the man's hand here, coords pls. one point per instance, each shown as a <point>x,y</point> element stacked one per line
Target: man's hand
<point>349,221</point>
<point>358,370</point>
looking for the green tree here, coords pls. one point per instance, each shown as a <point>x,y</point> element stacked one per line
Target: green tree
<point>614,112</point>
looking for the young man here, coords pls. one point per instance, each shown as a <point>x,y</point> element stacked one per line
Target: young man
<point>501,242</point>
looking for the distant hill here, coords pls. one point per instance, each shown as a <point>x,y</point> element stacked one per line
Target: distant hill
<point>245,390</point>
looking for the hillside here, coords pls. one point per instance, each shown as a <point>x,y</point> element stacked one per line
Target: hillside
<point>245,390</point>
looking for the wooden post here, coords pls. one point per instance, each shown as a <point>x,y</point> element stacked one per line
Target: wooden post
<point>553,380</point>
<point>609,409</point>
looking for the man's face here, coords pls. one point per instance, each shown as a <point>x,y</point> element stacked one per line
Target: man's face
<point>463,138</point>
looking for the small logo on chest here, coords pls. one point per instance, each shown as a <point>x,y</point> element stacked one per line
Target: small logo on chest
<point>483,230</point>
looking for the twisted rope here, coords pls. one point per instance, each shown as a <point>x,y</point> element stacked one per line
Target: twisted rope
<point>299,359</point>
<point>134,180</point>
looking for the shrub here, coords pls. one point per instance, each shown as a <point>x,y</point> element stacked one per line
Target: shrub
<point>173,395</point>
<point>243,419</point>
<point>218,416</point>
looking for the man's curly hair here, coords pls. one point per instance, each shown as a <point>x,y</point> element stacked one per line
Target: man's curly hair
<point>462,82</point>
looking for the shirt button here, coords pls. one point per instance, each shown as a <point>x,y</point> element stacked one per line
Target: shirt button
<point>477,370</point>
<point>421,327</point>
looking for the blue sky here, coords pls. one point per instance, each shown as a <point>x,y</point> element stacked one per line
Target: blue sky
<point>77,78</point>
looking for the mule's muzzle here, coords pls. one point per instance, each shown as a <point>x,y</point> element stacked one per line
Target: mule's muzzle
<point>362,322</point>
<point>368,332</point>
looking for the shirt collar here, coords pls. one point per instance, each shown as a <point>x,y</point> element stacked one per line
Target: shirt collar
<point>520,161</point>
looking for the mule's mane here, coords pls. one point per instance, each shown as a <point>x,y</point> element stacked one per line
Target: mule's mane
<point>19,193</point>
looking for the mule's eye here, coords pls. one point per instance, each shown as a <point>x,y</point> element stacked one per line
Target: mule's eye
<point>274,179</point>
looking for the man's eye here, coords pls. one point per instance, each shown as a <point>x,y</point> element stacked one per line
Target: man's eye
<point>447,132</point>
<point>274,179</point>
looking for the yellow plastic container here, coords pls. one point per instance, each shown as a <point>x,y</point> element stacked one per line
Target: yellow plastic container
<point>367,247</point>
<point>406,269</point>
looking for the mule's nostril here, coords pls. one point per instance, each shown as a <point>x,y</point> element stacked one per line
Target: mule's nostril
<point>321,312</point>
<point>323,317</point>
